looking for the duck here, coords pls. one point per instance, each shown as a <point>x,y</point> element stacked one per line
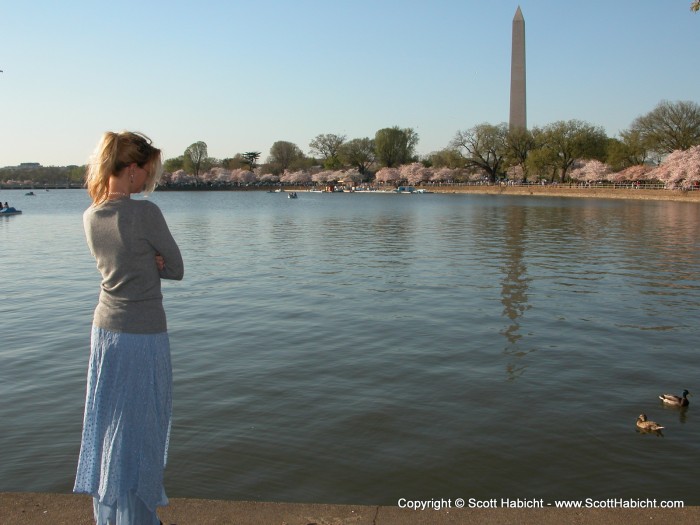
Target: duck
<point>643,424</point>
<point>676,401</point>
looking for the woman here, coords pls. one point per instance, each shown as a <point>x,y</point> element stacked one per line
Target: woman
<point>128,404</point>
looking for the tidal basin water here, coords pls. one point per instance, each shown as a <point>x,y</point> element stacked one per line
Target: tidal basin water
<point>350,348</point>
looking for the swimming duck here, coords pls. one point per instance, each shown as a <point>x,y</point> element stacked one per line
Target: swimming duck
<point>676,401</point>
<point>643,424</point>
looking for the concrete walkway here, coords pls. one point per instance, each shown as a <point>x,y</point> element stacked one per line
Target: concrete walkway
<point>69,509</point>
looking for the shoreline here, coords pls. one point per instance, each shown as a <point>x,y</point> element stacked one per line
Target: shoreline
<point>578,192</point>
<point>24,508</point>
<point>563,190</point>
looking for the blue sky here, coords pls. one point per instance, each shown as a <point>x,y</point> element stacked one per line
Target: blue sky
<point>240,75</point>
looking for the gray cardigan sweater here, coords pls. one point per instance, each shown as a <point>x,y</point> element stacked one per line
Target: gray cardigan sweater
<point>124,236</point>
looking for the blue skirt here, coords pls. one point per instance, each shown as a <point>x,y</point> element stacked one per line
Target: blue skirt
<point>126,427</point>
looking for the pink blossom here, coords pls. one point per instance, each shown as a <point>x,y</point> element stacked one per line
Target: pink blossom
<point>217,175</point>
<point>414,173</point>
<point>269,178</point>
<point>590,171</point>
<point>387,175</point>
<point>478,175</point>
<point>516,173</point>
<point>630,174</point>
<point>324,176</point>
<point>351,175</point>
<point>443,175</point>
<point>680,169</point>
<point>296,177</point>
<point>181,177</point>
<point>242,176</point>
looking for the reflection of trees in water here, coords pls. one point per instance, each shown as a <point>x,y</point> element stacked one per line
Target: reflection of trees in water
<point>674,235</point>
<point>514,286</point>
<point>393,235</point>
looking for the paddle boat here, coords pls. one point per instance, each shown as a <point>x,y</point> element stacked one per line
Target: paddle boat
<point>10,211</point>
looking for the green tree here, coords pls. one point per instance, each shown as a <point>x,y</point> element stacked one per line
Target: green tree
<point>196,159</point>
<point>284,155</point>
<point>235,163</point>
<point>628,150</point>
<point>251,158</point>
<point>543,161</point>
<point>174,164</point>
<point>327,146</point>
<point>484,146</point>
<point>358,153</point>
<point>76,173</point>
<point>669,126</point>
<point>446,158</point>
<point>695,6</point>
<point>519,143</point>
<point>395,146</point>
<point>567,141</point>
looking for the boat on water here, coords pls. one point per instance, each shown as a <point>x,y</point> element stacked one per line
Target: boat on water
<point>411,190</point>
<point>10,211</point>
<point>31,193</point>
<point>292,195</point>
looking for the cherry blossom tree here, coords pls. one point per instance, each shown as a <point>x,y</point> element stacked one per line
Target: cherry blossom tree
<point>443,175</point>
<point>414,172</point>
<point>638,172</point>
<point>268,178</point>
<point>182,177</point>
<point>220,175</point>
<point>325,176</point>
<point>388,175</point>
<point>353,176</point>
<point>478,175</point>
<point>243,176</point>
<point>296,177</point>
<point>166,178</point>
<point>680,169</point>
<point>207,177</point>
<point>590,171</point>
<point>516,173</point>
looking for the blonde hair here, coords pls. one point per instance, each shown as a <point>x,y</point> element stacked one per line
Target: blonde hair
<point>113,153</point>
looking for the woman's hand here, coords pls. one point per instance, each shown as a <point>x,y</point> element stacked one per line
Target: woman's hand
<point>160,262</point>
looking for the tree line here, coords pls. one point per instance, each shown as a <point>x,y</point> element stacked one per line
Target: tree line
<point>491,151</point>
<point>488,151</point>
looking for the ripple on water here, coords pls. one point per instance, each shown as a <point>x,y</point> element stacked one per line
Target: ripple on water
<point>358,349</point>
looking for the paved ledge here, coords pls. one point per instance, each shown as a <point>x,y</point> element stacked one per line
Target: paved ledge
<point>69,509</point>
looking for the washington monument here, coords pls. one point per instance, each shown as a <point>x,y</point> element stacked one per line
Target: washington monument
<point>518,113</point>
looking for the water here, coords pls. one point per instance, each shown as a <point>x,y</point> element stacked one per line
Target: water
<point>361,348</point>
